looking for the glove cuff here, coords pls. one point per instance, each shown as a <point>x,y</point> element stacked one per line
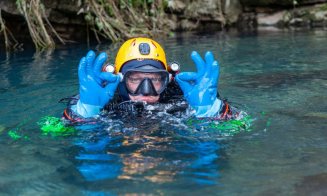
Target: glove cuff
<point>86,110</point>
<point>208,110</point>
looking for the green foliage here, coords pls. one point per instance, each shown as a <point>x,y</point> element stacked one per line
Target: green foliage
<point>99,24</point>
<point>136,3</point>
<point>165,4</point>
<point>108,8</point>
<point>122,19</point>
<point>122,4</point>
<point>38,24</point>
<point>324,7</point>
<point>19,4</point>
<point>88,17</point>
<point>140,3</point>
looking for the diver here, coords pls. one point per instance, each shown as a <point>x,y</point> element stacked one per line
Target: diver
<point>141,76</point>
<point>140,83</point>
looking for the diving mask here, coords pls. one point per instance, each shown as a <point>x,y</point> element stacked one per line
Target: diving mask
<point>146,83</point>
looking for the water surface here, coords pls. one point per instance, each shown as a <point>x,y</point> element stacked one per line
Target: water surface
<point>279,78</point>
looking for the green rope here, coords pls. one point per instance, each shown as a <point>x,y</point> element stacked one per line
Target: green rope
<point>55,127</point>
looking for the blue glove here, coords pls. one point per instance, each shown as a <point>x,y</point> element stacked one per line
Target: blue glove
<point>200,88</point>
<point>97,88</point>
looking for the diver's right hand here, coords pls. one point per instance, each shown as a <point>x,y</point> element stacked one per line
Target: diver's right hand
<point>96,88</point>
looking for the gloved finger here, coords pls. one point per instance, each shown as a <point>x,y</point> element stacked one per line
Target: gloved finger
<point>186,80</point>
<point>213,65</point>
<point>98,63</point>
<point>209,58</point>
<point>199,63</point>
<point>109,77</point>
<point>187,76</point>
<point>81,69</point>
<point>89,63</point>
<point>215,71</point>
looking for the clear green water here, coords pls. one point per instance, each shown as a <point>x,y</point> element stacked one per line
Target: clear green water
<point>279,78</point>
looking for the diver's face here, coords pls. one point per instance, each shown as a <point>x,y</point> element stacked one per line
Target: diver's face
<point>148,99</point>
<point>135,79</point>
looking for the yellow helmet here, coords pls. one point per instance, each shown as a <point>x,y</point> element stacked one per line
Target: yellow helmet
<point>140,49</point>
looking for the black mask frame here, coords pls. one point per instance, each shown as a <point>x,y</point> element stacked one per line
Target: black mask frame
<point>146,87</point>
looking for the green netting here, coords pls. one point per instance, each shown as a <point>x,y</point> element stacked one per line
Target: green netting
<point>55,127</point>
<point>17,132</point>
<point>15,135</point>
<point>227,128</point>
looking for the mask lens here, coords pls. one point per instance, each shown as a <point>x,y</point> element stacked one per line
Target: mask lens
<point>146,83</point>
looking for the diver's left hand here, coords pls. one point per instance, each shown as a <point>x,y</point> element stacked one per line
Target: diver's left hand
<point>200,88</point>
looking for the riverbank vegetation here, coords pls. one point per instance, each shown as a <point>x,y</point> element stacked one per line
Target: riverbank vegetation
<point>117,20</point>
<point>38,24</point>
<point>114,20</point>
<point>47,23</point>
<point>9,39</point>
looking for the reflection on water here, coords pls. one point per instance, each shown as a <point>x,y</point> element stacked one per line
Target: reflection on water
<point>279,78</point>
<point>156,154</point>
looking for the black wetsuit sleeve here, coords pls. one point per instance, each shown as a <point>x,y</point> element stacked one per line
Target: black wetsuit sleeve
<point>68,113</point>
<point>227,112</point>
